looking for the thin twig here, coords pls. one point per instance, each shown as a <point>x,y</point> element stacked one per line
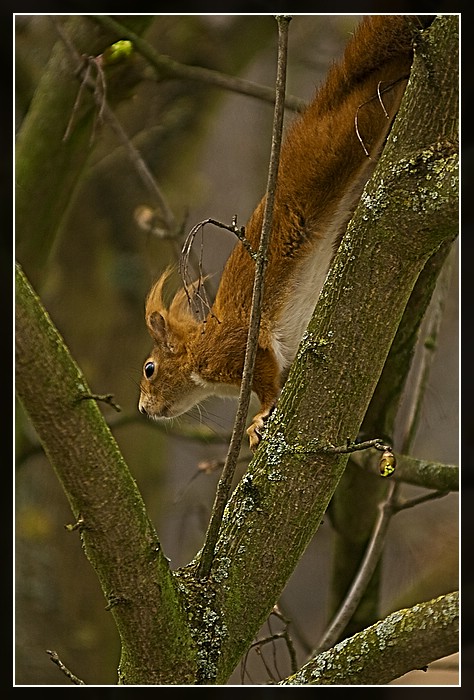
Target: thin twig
<point>56,660</point>
<point>289,641</point>
<point>106,398</point>
<point>195,289</point>
<point>364,574</point>
<point>392,504</point>
<point>351,447</point>
<point>267,640</point>
<point>167,68</point>
<point>141,167</point>
<point>225,482</point>
<point>411,502</point>
<point>78,100</point>
<point>435,318</point>
<point>379,97</point>
<point>97,88</point>
<point>296,630</point>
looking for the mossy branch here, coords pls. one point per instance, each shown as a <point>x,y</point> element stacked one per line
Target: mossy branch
<point>278,505</point>
<point>405,640</point>
<point>410,470</point>
<point>118,538</point>
<point>47,169</point>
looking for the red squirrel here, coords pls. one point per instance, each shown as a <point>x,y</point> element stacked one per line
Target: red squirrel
<point>327,157</point>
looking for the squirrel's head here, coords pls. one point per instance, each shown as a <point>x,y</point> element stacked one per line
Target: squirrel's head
<point>170,384</point>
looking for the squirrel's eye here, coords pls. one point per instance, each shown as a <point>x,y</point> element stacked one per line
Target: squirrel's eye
<point>149,369</point>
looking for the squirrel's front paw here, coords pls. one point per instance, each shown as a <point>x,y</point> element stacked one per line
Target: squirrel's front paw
<point>255,429</point>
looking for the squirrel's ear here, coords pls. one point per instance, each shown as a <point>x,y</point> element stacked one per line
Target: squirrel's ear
<point>156,325</point>
<point>159,330</point>
<point>155,311</point>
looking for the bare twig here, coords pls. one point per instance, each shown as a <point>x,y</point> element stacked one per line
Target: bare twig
<point>411,502</point>
<point>195,289</point>
<point>379,97</point>
<point>225,482</point>
<point>82,67</point>
<point>420,379</point>
<point>106,398</point>
<point>56,660</point>
<point>289,641</point>
<point>351,447</point>
<point>271,638</point>
<point>167,68</point>
<point>364,574</point>
<point>84,81</point>
<point>142,169</point>
<point>387,462</point>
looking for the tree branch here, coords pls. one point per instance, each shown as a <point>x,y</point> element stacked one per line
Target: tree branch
<point>278,505</point>
<point>415,637</point>
<point>53,655</point>
<point>166,68</point>
<point>118,538</point>
<point>430,475</point>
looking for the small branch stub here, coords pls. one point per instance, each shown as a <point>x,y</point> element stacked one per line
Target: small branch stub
<point>70,527</point>
<point>387,462</point>
<point>106,398</point>
<point>56,660</point>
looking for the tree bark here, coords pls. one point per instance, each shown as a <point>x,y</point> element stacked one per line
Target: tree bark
<point>388,649</point>
<point>117,536</point>
<point>409,210</point>
<point>353,524</point>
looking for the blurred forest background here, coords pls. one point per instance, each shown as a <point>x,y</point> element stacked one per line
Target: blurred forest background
<point>208,149</point>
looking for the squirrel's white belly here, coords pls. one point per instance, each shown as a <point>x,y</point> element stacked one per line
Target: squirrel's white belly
<point>300,302</point>
<point>310,275</point>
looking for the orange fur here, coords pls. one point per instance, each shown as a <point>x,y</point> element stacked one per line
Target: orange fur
<point>323,169</point>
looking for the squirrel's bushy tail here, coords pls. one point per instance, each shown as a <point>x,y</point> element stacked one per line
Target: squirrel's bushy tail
<point>377,41</point>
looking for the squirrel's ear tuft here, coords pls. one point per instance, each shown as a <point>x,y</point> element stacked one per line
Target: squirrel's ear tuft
<point>156,312</point>
<point>154,300</point>
<point>168,327</point>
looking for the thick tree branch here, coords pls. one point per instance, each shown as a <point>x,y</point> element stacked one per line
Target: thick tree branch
<point>277,507</point>
<point>406,640</point>
<point>118,538</point>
